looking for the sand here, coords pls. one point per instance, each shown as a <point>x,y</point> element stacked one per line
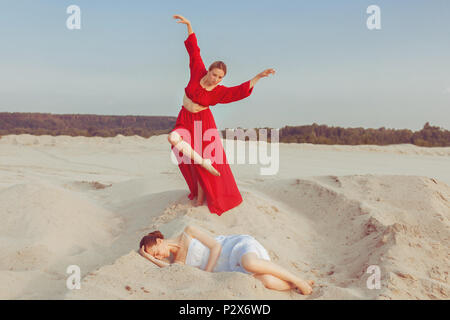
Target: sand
<point>328,214</point>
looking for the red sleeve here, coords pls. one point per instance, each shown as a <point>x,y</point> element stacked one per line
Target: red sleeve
<point>196,64</point>
<point>230,94</point>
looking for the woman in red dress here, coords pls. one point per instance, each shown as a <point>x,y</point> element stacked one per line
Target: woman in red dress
<point>202,160</point>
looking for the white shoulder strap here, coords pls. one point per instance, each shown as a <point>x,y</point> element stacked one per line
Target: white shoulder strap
<point>187,234</point>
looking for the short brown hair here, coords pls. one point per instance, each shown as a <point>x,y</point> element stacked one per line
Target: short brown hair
<point>150,239</point>
<point>219,65</point>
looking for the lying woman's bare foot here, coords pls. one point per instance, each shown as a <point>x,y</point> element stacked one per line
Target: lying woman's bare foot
<point>209,167</point>
<point>305,287</point>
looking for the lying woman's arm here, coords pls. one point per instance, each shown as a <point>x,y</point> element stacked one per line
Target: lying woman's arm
<point>158,262</point>
<point>214,247</point>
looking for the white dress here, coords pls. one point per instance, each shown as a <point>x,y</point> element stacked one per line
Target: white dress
<point>233,248</point>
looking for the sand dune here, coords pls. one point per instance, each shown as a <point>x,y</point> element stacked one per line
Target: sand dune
<point>44,227</point>
<point>329,229</point>
<point>87,201</point>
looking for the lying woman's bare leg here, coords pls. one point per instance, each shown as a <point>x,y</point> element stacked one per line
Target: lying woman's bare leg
<point>274,283</point>
<point>262,268</point>
<point>177,141</point>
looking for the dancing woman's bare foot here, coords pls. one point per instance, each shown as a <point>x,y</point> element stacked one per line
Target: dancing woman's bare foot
<point>208,166</point>
<point>198,203</point>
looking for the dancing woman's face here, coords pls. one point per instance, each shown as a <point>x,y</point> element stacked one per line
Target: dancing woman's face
<point>215,76</point>
<point>160,250</point>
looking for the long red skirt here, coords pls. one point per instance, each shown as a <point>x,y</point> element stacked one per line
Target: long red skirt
<point>200,131</point>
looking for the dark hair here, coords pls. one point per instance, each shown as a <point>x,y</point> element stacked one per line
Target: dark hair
<point>150,239</point>
<point>219,65</point>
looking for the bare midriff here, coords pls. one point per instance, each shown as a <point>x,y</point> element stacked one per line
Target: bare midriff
<point>192,106</point>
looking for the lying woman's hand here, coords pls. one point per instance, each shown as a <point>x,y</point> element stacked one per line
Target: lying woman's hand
<point>143,253</point>
<point>156,261</point>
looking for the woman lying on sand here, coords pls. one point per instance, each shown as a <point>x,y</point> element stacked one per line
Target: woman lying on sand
<point>240,253</point>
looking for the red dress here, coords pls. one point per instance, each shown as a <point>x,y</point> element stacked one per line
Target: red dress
<point>221,192</point>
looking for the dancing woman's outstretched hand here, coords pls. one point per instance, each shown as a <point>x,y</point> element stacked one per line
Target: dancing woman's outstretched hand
<point>263,74</point>
<point>266,73</point>
<point>182,19</point>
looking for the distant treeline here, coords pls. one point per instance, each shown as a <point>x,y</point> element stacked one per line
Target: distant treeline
<point>428,136</point>
<point>146,126</point>
<point>83,124</point>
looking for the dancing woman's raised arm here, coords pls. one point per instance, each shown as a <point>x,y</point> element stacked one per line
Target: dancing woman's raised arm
<point>196,64</point>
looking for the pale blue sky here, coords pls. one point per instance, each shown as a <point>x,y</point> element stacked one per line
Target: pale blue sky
<point>129,58</point>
